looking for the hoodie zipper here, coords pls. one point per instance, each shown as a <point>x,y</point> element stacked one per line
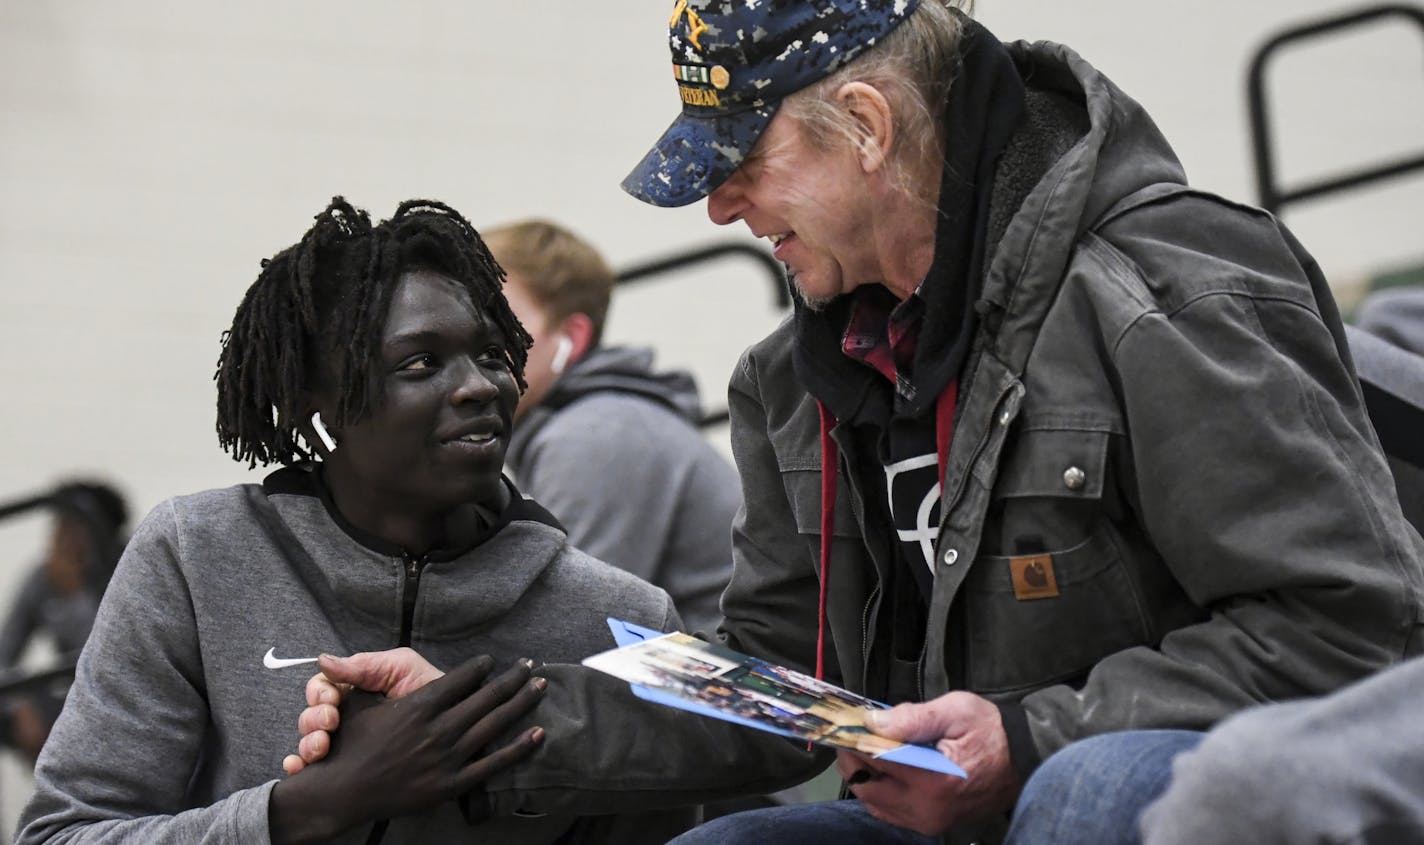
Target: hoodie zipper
<point>412,566</point>
<point>865,633</point>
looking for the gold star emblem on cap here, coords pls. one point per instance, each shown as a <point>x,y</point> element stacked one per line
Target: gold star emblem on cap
<point>695,26</point>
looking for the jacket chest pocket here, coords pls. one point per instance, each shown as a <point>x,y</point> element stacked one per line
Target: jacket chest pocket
<point>1051,490</point>
<point>1051,592</point>
<point>803,493</point>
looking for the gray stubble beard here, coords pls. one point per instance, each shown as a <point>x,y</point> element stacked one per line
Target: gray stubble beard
<point>812,303</point>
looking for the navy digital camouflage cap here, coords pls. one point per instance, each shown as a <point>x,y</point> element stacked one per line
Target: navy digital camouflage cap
<point>734,61</point>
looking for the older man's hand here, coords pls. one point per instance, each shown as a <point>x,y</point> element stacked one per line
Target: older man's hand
<point>395,673</point>
<point>965,728</point>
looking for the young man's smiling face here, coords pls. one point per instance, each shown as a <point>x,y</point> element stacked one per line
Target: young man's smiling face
<point>436,439</point>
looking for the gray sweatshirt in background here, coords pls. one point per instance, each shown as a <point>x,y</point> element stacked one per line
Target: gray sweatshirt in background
<point>614,452</point>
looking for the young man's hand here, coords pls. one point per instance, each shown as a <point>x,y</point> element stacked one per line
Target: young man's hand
<point>394,757</point>
<point>395,673</point>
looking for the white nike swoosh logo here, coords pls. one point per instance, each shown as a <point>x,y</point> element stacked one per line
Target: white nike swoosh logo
<point>273,662</point>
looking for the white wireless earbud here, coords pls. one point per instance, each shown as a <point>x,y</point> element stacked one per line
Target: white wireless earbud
<point>321,432</point>
<point>561,354</point>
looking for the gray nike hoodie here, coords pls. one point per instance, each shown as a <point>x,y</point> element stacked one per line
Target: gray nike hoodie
<point>174,732</point>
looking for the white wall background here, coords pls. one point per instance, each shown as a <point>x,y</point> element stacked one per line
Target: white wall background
<point>151,153</point>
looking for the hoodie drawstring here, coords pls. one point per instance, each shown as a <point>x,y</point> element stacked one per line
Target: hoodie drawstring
<point>944,425</point>
<point>830,459</point>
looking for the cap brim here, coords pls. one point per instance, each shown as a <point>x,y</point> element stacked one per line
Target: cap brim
<point>695,155</point>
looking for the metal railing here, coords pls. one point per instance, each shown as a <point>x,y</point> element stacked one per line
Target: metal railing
<point>781,293</point>
<point>21,682</point>
<point>1272,196</point>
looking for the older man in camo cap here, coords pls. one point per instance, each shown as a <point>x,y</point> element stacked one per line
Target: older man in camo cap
<point>1058,454</point>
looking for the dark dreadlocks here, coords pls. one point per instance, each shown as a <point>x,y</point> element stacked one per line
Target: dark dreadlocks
<point>324,301</point>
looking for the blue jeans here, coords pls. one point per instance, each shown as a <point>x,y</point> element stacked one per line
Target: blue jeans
<point>1094,790</point>
<point>803,824</point>
<point>1090,793</point>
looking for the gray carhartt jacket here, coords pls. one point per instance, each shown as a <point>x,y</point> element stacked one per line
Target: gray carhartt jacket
<point>1160,396</point>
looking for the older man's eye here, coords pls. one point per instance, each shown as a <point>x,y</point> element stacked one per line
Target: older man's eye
<point>420,362</point>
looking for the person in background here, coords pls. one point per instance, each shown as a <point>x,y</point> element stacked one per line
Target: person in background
<point>58,600</point>
<point>1395,315</point>
<point>658,503</point>
<point>1392,379</point>
<point>1346,769</point>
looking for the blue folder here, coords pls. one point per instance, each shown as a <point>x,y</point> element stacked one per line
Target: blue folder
<point>627,633</point>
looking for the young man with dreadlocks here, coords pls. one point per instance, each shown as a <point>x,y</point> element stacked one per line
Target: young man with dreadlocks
<point>380,365</point>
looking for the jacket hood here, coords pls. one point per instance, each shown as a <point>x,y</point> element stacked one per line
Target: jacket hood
<point>352,572</point>
<point>304,479</point>
<point>615,369</point>
<point>626,369</point>
<point>1120,152</point>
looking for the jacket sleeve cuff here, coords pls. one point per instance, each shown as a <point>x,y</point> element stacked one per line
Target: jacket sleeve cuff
<point>1023,754</point>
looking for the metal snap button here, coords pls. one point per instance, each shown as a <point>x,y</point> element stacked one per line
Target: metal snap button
<point>1074,478</point>
<point>950,557</point>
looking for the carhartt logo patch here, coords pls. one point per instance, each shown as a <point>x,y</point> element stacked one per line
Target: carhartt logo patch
<point>1033,577</point>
